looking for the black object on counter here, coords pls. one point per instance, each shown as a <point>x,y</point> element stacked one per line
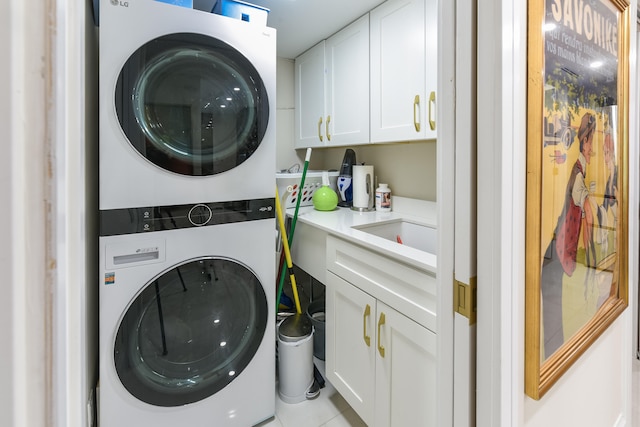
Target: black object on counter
<point>345,181</point>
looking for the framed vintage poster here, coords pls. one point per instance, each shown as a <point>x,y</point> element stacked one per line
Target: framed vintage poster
<point>577,181</point>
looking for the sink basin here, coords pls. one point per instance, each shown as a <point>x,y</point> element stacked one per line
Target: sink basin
<point>417,236</point>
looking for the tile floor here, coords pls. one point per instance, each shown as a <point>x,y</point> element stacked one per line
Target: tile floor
<point>329,409</point>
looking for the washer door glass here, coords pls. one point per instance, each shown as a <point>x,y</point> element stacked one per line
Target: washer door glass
<point>192,104</point>
<point>190,332</point>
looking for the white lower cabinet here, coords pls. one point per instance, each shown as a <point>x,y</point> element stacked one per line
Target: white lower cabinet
<point>380,361</point>
<point>350,344</point>
<point>405,371</point>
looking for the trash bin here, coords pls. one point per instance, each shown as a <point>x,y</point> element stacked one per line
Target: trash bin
<point>295,358</point>
<point>315,312</point>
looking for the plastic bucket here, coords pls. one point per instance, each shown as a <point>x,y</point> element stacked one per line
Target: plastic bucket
<point>315,312</point>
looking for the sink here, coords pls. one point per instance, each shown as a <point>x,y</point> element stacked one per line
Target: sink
<point>412,234</point>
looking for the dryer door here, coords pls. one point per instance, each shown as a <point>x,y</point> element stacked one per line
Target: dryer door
<point>190,332</point>
<point>191,104</point>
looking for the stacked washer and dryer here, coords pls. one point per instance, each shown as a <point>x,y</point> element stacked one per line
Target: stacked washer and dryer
<point>187,220</point>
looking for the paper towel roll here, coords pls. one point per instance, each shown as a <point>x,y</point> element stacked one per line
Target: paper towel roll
<point>363,190</point>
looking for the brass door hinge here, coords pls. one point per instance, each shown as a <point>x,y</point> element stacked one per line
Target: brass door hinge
<point>465,299</point>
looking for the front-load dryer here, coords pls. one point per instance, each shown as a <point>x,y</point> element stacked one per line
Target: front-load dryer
<point>187,315</point>
<point>187,106</point>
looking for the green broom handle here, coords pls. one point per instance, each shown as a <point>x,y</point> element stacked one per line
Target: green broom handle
<point>293,222</point>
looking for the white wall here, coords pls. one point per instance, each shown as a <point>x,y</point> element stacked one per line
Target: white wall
<point>73,221</point>
<point>286,156</point>
<point>596,391</point>
<point>24,315</point>
<point>408,168</point>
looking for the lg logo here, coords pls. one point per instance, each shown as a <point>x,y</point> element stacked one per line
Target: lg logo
<point>120,3</point>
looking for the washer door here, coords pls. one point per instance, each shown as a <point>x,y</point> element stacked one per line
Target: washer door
<point>192,104</point>
<point>190,332</point>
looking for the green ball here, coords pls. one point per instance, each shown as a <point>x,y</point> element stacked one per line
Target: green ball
<point>324,199</point>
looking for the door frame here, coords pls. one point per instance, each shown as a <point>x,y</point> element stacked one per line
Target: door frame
<point>445,154</point>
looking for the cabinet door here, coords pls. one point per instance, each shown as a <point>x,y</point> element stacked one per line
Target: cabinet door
<point>398,87</point>
<point>405,371</point>
<point>350,345</point>
<point>309,101</point>
<point>347,90</point>
<point>431,65</point>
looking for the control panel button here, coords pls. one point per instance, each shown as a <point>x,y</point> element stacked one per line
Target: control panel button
<point>200,215</point>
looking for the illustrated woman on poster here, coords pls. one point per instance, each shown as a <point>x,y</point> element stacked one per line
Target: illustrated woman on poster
<point>606,237</point>
<point>608,212</point>
<point>575,222</point>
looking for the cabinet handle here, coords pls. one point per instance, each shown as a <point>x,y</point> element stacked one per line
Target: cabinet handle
<point>319,129</point>
<point>380,323</point>
<point>416,118</point>
<point>367,313</point>
<point>327,129</point>
<point>432,101</point>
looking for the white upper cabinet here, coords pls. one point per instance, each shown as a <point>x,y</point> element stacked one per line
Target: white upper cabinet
<point>373,81</point>
<point>347,90</point>
<point>332,90</point>
<point>309,102</point>
<point>403,39</point>
<point>431,67</point>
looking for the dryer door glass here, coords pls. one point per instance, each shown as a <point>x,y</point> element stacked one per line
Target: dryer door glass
<point>192,104</point>
<point>190,332</point>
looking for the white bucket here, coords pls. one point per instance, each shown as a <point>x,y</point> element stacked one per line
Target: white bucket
<point>295,361</point>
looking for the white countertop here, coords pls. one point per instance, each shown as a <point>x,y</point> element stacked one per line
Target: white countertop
<point>340,223</point>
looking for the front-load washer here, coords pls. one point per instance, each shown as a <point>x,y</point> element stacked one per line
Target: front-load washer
<point>187,106</point>
<point>187,315</point>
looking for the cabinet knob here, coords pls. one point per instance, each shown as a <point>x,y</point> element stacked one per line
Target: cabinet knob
<point>381,322</point>
<point>367,313</point>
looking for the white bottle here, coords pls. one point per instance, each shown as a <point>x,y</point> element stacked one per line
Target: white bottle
<point>383,198</point>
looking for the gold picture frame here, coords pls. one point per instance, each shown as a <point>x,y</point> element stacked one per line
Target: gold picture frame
<point>577,181</point>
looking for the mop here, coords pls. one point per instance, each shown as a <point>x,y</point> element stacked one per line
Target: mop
<point>318,382</point>
<point>283,302</point>
<point>287,253</point>
<point>315,387</point>
<point>281,269</point>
